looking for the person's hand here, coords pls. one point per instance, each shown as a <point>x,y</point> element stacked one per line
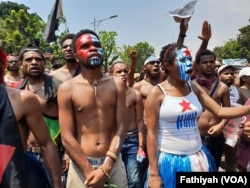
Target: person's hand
<point>155,182</point>
<point>96,179</point>
<point>205,32</point>
<point>215,130</point>
<point>140,154</point>
<point>65,162</point>
<point>133,54</point>
<point>50,57</point>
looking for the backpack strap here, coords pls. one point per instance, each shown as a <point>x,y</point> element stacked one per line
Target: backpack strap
<point>214,88</point>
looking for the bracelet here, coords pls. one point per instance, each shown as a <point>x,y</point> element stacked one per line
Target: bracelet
<point>112,155</point>
<point>105,172</point>
<point>141,146</point>
<point>182,35</point>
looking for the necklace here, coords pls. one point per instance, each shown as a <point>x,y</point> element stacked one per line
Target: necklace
<point>128,91</point>
<point>94,83</point>
<point>147,80</point>
<point>34,91</point>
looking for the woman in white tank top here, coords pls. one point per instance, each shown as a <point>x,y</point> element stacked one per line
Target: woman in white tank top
<point>172,108</point>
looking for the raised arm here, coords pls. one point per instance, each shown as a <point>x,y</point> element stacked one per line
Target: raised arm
<point>131,72</point>
<point>183,30</point>
<point>205,36</point>
<point>219,111</point>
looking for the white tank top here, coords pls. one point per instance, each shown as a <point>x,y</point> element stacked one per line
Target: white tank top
<point>234,94</point>
<point>178,132</point>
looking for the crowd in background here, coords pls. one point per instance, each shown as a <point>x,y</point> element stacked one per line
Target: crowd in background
<point>81,127</point>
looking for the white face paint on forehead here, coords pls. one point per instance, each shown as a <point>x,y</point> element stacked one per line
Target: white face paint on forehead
<point>88,38</point>
<point>94,38</point>
<point>184,63</point>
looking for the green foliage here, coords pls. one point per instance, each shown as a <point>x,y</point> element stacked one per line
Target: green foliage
<point>6,7</point>
<point>236,48</point>
<point>110,48</point>
<point>19,28</point>
<point>143,51</point>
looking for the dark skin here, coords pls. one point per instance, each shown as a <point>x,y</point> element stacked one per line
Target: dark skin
<point>83,134</point>
<point>33,61</point>
<point>176,87</point>
<point>68,70</point>
<point>23,104</point>
<point>208,123</point>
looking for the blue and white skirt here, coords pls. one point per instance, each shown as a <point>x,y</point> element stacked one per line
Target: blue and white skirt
<point>169,164</point>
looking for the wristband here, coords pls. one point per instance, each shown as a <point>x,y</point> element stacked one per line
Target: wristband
<point>182,35</point>
<point>141,146</point>
<point>114,159</point>
<point>112,155</point>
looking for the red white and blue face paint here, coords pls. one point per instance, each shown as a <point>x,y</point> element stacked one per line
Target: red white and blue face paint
<point>85,45</point>
<point>184,63</point>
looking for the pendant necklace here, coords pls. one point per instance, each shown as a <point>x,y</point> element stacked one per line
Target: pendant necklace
<point>36,90</point>
<point>94,84</point>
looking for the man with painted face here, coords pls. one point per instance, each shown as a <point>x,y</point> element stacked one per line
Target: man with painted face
<point>210,126</point>
<point>92,112</point>
<point>172,108</point>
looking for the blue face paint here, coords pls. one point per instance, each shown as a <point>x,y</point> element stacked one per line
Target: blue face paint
<point>95,61</point>
<point>184,63</point>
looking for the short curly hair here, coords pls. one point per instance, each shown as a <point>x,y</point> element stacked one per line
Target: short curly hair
<point>30,47</point>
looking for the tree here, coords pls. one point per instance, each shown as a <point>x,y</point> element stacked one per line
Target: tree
<point>236,48</point>
<point>111,52</point>
<point>143,51</point>
<point>6,7</point>
<point>19,28</point>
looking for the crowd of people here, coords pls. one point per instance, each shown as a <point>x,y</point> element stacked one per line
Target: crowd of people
<point>76,126</point>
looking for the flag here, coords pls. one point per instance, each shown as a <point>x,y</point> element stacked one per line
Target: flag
<point>13,170</point>
<point>53,22</point>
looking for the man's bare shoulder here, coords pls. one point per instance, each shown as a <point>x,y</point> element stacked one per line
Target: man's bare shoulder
<point>61,74</point>
<point>22,95</point>
<point>22,101</point>
<point>55,72</point>
<point>223,86</point>
<point>137,85</point>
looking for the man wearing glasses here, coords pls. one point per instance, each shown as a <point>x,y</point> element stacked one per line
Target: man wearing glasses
<point>13,77</point>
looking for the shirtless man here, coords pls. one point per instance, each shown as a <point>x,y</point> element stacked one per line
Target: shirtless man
<point>71,67</point>
<point>152,74</point>
<point>210,126</point>
<point>133,145</point>
<point>23,109</point>
<point>152,71</point>
<point>92,112</point>
<point>13,78</point>
<point>45,88</point>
